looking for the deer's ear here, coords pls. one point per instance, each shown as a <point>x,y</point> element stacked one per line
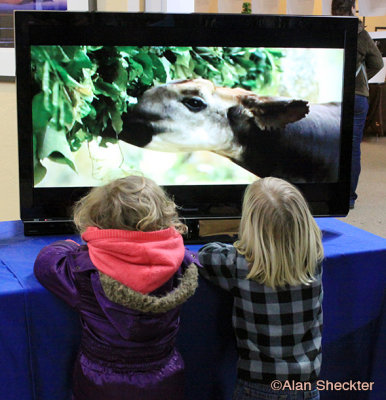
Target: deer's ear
<point>272,113</point>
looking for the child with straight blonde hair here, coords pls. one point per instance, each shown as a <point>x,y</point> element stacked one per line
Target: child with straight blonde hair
<point>128,282</point>
<point>274,273</point>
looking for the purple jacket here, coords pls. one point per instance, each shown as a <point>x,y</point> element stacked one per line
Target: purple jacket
<point>127,349</point>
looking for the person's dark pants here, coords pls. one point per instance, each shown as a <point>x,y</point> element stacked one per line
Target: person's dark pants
<point>360,112</point>
<point>255,391</point>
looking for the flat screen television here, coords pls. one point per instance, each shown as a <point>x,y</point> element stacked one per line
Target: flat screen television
<point>202,103</point>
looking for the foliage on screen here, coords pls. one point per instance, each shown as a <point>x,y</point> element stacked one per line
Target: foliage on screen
<point>79,89</point>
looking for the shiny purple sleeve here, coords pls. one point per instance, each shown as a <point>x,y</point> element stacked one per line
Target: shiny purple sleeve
<point>191,257</point>
<point>54,269</point>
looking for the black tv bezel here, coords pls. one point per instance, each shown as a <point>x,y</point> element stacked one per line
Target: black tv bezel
<point>39,206</point>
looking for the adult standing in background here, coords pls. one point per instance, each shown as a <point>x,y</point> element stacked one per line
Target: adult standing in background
<point>369,62</point>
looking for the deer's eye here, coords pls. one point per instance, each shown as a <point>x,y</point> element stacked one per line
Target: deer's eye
<point>194,104</point>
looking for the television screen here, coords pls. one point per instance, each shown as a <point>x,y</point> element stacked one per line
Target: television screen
<point>183,99</point>
<point>86,152</point>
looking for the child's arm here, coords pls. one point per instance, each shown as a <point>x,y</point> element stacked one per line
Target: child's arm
<point>218,262</point>
<point>53,270</point>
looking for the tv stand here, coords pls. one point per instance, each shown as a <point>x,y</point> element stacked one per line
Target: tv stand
<point>48,227</point>
<point>211,230</point>
<point>199,231</point>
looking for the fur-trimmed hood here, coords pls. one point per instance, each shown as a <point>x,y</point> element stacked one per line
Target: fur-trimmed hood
<point>121,294</point>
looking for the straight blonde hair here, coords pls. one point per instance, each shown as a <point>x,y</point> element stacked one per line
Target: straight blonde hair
<point>278,235</point>
<point>130,203</point>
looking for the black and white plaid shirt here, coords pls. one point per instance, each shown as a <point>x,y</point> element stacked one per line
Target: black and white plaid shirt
<point>278,332</point>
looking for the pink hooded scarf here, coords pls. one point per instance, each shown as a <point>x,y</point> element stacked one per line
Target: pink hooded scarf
<point>143,261</point>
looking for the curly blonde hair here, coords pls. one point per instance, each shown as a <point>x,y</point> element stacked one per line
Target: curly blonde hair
<point>130,203</point>
<point>278,235</point>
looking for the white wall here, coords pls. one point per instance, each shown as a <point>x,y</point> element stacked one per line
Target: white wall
<point>205,6</point>
<point>169,6</point>
<point>120,5</point>
<point>9,171</point>
<point>230,6</point>
<point>7,61</point>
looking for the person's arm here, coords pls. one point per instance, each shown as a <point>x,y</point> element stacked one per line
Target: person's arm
<point>218,262</point>
<point>373,57</point>
<point>53,269</point>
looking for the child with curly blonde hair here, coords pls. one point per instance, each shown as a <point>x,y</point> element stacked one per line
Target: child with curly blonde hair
<point>274,273</point>
<point>128,282</point>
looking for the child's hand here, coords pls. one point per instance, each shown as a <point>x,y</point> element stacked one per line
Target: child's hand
<point>191,257</point>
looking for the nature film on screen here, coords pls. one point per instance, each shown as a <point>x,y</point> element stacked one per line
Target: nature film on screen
<point>93,107</point>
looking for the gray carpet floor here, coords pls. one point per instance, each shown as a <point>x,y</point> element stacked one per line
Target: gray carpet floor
<point>369,213</point>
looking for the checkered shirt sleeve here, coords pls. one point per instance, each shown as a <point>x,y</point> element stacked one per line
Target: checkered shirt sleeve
<point>218,264</point>
<point>278,331</point>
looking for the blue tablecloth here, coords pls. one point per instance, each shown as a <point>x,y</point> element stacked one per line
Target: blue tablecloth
<point>39,334</point>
